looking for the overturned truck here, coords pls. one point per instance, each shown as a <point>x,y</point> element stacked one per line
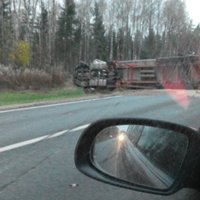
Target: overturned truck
<point>98,75</point>
<point>181,72</point>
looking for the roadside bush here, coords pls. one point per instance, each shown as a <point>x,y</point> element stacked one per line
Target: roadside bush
<point>30,79</point>
<point>58,77</point>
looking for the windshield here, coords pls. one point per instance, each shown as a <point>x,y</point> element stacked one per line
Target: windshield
<point>65,64</point>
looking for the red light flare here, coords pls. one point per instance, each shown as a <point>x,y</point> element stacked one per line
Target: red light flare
<point>177,91</point>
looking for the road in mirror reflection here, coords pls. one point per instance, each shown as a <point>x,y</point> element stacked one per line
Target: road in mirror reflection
<point>140,154</point>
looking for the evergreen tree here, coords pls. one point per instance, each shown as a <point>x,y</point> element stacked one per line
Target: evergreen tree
<point>149,46</point>
<point>66,33</point>
<point>137,45</point>
<point>100,42</point>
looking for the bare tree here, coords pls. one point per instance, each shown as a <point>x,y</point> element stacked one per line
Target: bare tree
<point>84,8</point>
<point>175,22</point>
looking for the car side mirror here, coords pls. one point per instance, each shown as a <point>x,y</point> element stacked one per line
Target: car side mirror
<point>140,154</point>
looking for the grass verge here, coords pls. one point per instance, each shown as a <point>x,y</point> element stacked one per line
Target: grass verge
<point>20,97</point>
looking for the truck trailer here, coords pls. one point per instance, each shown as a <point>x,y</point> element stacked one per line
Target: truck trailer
<point>181,72</point>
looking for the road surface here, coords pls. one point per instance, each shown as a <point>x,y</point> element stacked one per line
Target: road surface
<point>37,146</point>
<point>122,159</point>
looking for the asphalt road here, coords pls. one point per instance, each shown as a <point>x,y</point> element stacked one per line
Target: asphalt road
<point>124,160</point>
<point>37,147</point>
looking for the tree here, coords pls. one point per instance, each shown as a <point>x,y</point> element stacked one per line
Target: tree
<point>99,39</point>
<point>61,34</point>
<point>175,23</point>
<point>52,26</point>
<point>44,36</point>
<point>6,31</point>
<point>137,45</point>
<point>196,40</point>
<point>84,16</point>
<point>21,55</point>
<point>149,47</point>
<point>65,35</point>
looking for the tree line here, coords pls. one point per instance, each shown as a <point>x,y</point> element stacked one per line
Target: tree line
<point>52,34</point>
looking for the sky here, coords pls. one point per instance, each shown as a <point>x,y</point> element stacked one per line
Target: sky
<point>193,9</point>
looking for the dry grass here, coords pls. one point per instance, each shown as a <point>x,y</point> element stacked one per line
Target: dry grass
<point>30,79</point>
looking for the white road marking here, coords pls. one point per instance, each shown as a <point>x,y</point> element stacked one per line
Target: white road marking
<point>38,139</point>
<point>21,144</point>
<point>79,128</point>
<point>57,104</point>
<point>58,134</point>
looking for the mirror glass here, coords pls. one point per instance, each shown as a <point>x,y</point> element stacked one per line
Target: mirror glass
<point>143,155</point>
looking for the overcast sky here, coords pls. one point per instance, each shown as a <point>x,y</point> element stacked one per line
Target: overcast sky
<point>193,8</point>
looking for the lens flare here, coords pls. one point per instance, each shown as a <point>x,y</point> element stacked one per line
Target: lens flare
<point>177,92</point>
<point>121,137</point>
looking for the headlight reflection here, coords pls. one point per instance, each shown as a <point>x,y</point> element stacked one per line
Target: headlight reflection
<point>121,137</point>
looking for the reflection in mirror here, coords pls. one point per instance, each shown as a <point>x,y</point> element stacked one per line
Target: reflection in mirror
<point>143,155</point>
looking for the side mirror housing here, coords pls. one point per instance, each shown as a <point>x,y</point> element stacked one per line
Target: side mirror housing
<point>140,154</point>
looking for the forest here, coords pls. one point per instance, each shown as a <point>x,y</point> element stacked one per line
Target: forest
<point>39,38</point>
